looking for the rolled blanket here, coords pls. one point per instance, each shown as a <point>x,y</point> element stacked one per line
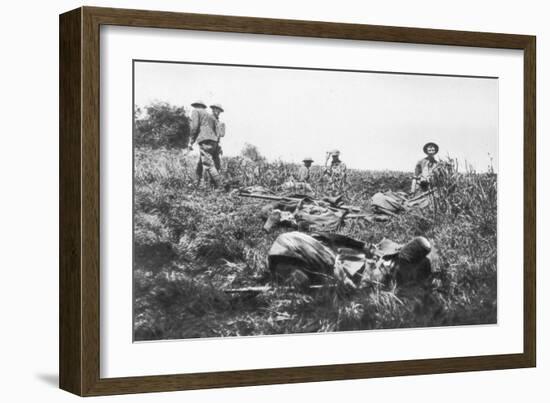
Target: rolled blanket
<point>303,248</point>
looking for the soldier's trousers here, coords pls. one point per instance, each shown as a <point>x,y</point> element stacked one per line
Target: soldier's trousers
<point>209,163</point>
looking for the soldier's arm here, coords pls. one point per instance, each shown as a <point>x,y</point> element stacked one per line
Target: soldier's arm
<point>302,174</point>
<point>194,126</point>
<point>220,128</point>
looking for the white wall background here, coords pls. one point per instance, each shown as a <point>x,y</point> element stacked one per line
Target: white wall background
<point>29,202</point>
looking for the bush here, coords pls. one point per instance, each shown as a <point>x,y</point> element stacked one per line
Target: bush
<point>161,125</point>
<point>253,153</point>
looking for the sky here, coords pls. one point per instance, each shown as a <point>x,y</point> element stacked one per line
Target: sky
<point>378,121</point>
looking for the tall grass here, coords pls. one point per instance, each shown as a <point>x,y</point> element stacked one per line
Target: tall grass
<point>191,244</point>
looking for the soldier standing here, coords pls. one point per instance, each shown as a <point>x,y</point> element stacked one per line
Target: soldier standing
<point>203,131</point>
<point>424,168</point>
<point>337,173</point>
<point>217,109</point>
<point>303,172</point>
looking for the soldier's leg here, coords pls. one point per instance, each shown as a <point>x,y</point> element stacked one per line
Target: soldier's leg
<point>217,159</point>
<point>199,169</point>
<point>208,164</point>
<point>215,176</point>
<point>203,172</point>
<point>216,156</point>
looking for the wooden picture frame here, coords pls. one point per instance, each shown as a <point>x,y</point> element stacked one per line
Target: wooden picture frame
<point>79,280</point>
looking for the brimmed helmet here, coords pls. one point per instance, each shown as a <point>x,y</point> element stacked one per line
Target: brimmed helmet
<point>217,106</point>
<point>198,103</point>
<point>425,148</point>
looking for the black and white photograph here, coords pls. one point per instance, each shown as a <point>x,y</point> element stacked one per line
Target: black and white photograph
<point>271,200</point>
<point>243,201</point>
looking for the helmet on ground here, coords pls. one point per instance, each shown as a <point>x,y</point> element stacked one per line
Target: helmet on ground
<point>415,250</point>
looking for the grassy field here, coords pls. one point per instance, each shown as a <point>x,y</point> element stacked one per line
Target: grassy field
<point>190,244</point>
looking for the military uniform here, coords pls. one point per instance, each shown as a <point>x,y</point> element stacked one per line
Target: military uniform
<point>203,131</point>
<point>424,168</point>
<point>220,132</point>
<point>303,174</point>
<point>337,175</point>
<point>423,172</point>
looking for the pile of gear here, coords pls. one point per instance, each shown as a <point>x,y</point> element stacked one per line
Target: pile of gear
<point>299,211</point>
<point>303,260</point>
<point>328,214</point>
<point>385,205</point>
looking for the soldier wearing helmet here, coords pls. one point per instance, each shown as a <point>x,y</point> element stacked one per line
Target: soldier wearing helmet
<point>336,173</point>
<point>424,168</point>
<point>204,131</point>
<point>217,109</point>
<point>303,172</point>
